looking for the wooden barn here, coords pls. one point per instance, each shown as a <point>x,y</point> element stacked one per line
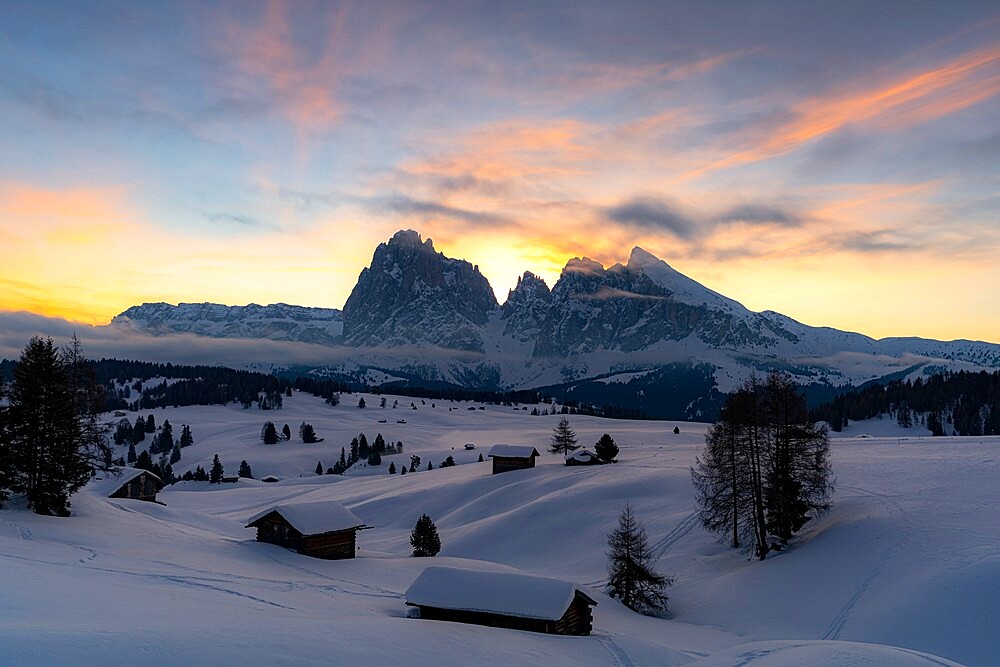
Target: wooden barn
<point>321,529</point>
<point>512,457</point>
<point>582,457</point>
<point>133,483</point>
<point>502,600</point>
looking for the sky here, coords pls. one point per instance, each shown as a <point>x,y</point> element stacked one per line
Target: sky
<point>836,162</point>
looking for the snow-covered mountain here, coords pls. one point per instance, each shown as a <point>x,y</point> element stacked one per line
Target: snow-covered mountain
<point>423,316</point>
<point>277,321</point>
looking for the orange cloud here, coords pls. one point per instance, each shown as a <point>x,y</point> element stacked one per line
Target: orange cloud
<point>906,101</point>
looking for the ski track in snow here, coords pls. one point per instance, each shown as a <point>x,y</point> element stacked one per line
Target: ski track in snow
<point>670,539</point>
<point>22,532</point>
<point>618,654</point>
<point>840,621</point>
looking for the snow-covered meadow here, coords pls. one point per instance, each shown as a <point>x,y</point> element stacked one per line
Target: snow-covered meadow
<point>906,563</point>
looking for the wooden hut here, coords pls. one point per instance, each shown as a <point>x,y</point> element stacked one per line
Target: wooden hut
<point>502,600</point>
<point>321,529</point>
<point>512,457</point>
<point>134,483</point>
<point>582,457</point>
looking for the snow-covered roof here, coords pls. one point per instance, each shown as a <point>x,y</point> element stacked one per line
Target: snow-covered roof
<point>314,518</point>
<point>109,482</point>
<point>515,451</point>
<point>507,593</point>
<point>582,455</point>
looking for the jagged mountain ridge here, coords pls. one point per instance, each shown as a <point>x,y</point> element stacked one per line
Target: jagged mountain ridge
<point>276,321</point>
<point>433,318</point>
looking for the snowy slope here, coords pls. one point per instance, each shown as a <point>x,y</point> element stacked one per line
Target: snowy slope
<point>909,557</point>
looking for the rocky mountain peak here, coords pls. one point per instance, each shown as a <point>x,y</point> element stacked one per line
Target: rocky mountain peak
<point>526,307</point>
<point>408,238</point>
<point>411,294</point>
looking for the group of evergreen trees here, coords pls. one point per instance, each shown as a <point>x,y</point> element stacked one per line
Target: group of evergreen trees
<point>765,468</point>
<point>51,441</point>
<point>964,403</point>
<point>197,385</point>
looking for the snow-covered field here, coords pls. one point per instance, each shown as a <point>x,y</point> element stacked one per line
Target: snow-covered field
<point>906,564</point>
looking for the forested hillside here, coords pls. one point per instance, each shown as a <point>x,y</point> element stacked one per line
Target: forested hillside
<point>960,403</point>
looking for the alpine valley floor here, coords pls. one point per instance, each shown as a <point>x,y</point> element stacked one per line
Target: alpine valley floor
<point>906,564</point>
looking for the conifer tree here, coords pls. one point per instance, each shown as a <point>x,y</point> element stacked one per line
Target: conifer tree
<point>186,438</point>
<point>150,424</point>
<point>139,430</point>
<point>379,444</point>
<point>245,470</point>
<point>144,461</point>
<point>606,449</point>
<point>424,538</point>
<point>343,461</point>
<point>392,467</point>
<point>631,577</point>
<point>307,433</point>
<point>414,462</point>
<point>355,451</point>
<point>131,457</point>
<point>319,468</point>
<point>361,402</point>
<point>215,476</point>
<point>269,434</point>
<point>363,448</point>
<point>480,457</point>
<point>123,432</point>
<point>563,438</point>
<point>286,432</point>
<point>765,467</point>
<point>175,454</point>
<point>53,433</point>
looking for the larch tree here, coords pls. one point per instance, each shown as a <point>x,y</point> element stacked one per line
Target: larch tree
<point>631,577</point>
<point>765,468</point>
<point>563,439</point>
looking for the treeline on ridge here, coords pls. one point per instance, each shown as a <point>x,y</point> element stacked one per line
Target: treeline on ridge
<point>961,403</point>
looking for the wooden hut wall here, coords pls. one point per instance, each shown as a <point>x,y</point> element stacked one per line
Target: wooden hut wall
<point>331,545</point>
<point>578,619</point>
<point>507,463</point>
<point>142,487</point>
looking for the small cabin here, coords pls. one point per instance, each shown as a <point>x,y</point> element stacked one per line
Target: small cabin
<point>134,483</point>
<point>512,457</point>
<point>270,479</point>
<point>322,529</point>
<point>469,445</point>
<point>582,457</point>
<point>502,600</point>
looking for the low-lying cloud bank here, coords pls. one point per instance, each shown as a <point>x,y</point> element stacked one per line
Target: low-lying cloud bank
<point>16,328</point>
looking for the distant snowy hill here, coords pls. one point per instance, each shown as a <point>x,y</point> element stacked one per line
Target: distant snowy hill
<point>418,315</point>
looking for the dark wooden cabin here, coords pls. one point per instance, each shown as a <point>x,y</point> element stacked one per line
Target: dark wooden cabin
<point>512,457</point>
<point>502,600</point>
<point>133,483</point>
<point>321,529</point>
